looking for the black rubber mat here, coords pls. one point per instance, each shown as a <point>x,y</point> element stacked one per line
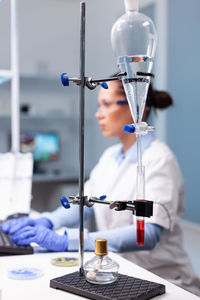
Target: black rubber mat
<point>126,287</point>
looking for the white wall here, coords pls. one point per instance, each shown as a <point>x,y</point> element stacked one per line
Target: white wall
<point>49,45</point>
<point>49,35</point>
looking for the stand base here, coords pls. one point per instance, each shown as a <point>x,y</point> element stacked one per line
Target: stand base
<point>125,288</point>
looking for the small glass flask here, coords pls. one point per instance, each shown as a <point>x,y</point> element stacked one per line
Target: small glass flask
<point>101,269</point>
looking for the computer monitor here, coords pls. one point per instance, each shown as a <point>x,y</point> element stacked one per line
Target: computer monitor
<point>43,145</point>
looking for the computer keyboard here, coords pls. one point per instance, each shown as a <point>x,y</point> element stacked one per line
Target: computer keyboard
<point>7,247</point>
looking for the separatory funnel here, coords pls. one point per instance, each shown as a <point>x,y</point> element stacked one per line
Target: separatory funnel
<point>134,39</point>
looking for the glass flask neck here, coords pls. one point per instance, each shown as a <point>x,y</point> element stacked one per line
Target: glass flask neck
<point>131,5</point>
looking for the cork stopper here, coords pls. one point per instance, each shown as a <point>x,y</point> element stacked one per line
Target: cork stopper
<point>101,247</point>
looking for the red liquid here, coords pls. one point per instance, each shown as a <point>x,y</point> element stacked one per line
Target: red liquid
<point>140,232</point>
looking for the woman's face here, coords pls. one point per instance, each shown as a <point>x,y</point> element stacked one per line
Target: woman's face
<point>112,117</point>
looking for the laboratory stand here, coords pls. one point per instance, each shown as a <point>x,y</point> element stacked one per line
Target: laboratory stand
<point>124,286</point>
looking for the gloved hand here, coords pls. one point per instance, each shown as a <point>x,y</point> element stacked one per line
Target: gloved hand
<point>14,225</point>
<point>44,237</point>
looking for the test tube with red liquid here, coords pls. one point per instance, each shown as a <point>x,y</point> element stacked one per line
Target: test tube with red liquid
<point>140,231</point>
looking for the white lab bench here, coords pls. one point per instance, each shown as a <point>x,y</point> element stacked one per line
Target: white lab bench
<point>38,289</point>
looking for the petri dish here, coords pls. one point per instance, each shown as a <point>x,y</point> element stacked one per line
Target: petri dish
<point>25,273</point>
<point>65,261</point>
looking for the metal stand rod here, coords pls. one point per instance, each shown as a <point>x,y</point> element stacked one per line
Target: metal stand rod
<point>15,127</point>
<point>81,137</point>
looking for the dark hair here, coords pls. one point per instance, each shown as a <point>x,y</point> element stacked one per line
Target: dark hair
<point>155,99</point>
<point>158,99</point>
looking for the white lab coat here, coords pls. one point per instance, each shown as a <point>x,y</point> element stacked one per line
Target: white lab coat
<point>164,185</point>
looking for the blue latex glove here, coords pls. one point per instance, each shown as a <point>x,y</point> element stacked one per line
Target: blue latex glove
<point>43,236</point>
<point>14,225</point>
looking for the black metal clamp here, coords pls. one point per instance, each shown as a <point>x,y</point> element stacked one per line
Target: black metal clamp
<point>92,83</point>
<point>141,208</point>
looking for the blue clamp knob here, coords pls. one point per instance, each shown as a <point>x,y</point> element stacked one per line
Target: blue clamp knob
<point>130,128</point>
<point>65,79</point>
<point>103,197</point>
<point>104,85</point>
<point>65,203</point>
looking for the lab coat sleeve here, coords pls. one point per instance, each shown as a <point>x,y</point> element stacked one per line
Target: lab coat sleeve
<point>119,240</point>
<point>165,187</point>
<point>69,217</point>
<point>66,217</point>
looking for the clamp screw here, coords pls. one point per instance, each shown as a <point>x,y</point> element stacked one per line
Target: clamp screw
<point>65,203</point>
<point>65,79</point>
<point>104,85</point>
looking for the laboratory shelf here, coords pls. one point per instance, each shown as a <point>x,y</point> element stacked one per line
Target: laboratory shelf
<point>67,177</point>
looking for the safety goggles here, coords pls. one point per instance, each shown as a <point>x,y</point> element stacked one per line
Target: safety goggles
<point>104,107</point>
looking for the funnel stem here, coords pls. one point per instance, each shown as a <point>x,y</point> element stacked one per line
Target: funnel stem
<point>140,191</point>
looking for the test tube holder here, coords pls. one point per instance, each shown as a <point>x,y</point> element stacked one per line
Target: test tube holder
<point>125,287</point>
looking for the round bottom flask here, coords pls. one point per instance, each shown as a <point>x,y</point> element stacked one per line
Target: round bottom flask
<point>101,269</point>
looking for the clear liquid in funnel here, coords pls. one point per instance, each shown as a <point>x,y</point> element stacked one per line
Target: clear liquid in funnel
<point>136,86</point>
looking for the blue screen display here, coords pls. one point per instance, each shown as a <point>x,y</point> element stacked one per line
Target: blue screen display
<point>44,146</point>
